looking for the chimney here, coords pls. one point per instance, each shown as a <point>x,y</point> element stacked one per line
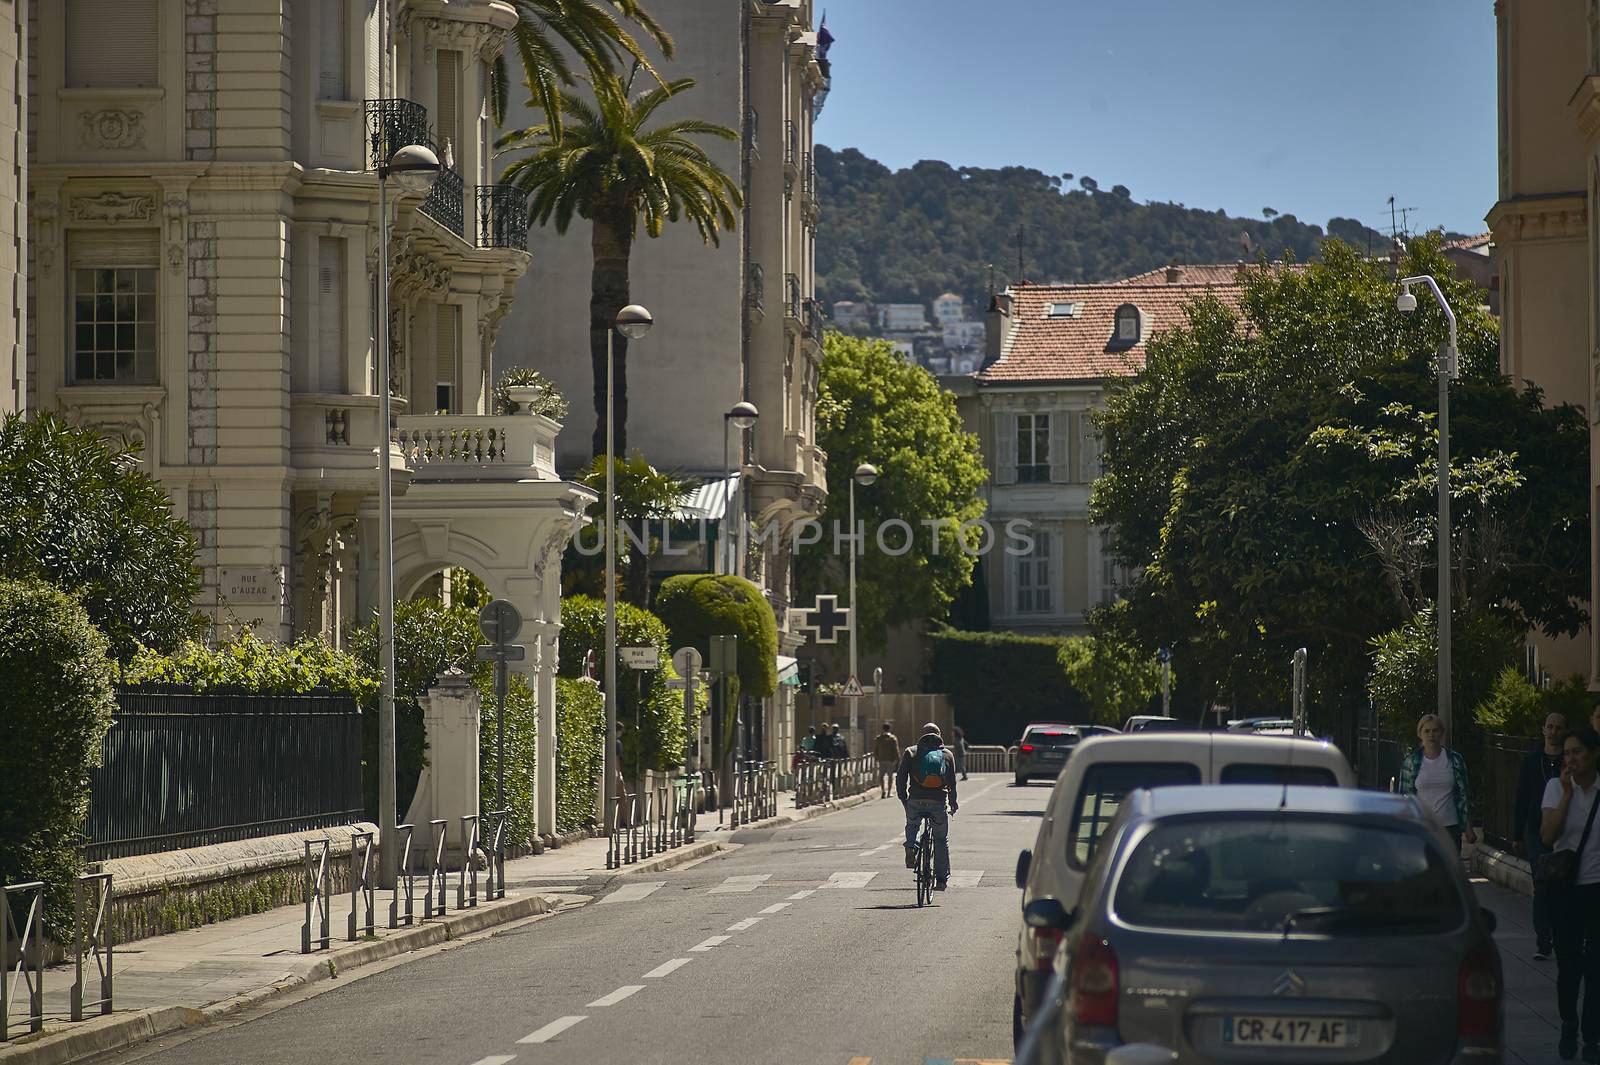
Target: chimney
<point>995,323</point>
<point>1174,272</point>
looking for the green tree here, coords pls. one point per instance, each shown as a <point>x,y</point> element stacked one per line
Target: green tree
<point>1114,676</point>
<point>646,497</point>
<point>649,715</point>
<point>873,406</point>
<point>80,515</point>
<point>605,166</point>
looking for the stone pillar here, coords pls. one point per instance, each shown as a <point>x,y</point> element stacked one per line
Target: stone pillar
<point>448,788</point>
<point>545,693</point>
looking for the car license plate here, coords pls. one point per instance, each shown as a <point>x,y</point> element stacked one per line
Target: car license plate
<point>1246,1030</point>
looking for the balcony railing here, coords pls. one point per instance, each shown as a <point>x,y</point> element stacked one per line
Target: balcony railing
<point>502,217</point>
<point>478,447</point>
<point>446,203</point>
<point>391,125</point>
<point>814,320</point>
<point>791,143</point>
<point>791,295</point>
<point>808,175</point>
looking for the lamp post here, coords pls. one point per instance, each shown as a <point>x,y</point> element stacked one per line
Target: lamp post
<point>1446,366</point>
<point>865,475</point>
<point>414,167</point>
<point>741,416</point>
<point>633,322</point>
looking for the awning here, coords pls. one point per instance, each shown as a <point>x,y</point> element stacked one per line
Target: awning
<point>705,502</point>
<point>789,671</point>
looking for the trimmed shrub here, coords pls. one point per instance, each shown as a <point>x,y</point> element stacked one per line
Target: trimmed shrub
<point>55,707</point>
<point>649,714</point>
<point>697,606</point>
<point>1000,681</point>
<point>580,737</point>
<point>253,664</point>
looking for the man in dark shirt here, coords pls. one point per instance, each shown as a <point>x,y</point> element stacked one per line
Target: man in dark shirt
<point>1539,767</point>
<point>924,793</point>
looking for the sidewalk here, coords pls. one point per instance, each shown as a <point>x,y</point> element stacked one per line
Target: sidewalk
<point>193,977</point>
<point>1532,1024</point>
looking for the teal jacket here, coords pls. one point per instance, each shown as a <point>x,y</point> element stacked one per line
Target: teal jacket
<point>1458,765</point>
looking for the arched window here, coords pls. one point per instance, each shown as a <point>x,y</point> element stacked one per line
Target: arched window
<point>1130,326</point>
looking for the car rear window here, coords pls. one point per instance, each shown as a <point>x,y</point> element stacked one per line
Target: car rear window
<point>1283,872</point>
<point>1100,797</point>
<point>1163,725</point>
<point>1252,773</point>
<point>1051,739</point>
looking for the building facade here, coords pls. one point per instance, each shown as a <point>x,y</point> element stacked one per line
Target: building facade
<point>13,206</point>
<point>1543,225</point>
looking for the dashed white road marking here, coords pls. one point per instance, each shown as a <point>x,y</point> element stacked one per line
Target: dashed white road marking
<point>667,968</point>
<point>876,850</point>
<point>635,892</point>
<point>964,878</point>
<point>740,926</point>
<point>495,1059</point>
<point>551,1030</point>
<point>803,894</point>
<point>849,880</point>
<point>616,996</point>
<point>899,837</point>
<point>740,884</point>
<point>777,907</point>
<point>709,942</point>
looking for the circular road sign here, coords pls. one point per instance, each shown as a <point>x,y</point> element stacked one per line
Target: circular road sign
<point>499,622</point>
<point>686,660</point>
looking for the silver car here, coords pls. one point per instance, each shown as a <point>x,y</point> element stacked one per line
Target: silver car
<point>1043,750</point>
<point>1248,923</point>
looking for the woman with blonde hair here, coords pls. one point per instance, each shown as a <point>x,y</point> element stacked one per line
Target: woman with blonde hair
<point>1437,776</point>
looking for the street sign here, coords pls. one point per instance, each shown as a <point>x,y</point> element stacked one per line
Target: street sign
<point>827,619</point>
<point>853,689</point>
<point>500,622</point>
<point>640,657</point>
<point>686,661</point>
<point>588,664</point>
<point>514,653</point>
<point>724,654</point>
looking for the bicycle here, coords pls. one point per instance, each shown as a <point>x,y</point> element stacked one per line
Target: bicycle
<point>924,865</point>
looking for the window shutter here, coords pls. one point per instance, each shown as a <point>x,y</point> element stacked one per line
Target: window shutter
<point>448,120</point>
<point>447,348</point>
<point>112,43</point>
<point>1061,424</point>
<point>1005,450</point>
<point>333,47</point>
<point>114,247</point>
<point>1088,451</point>
<point>330,314</point>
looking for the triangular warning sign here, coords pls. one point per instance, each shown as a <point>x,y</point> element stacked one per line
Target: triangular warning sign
<point>852,689</point>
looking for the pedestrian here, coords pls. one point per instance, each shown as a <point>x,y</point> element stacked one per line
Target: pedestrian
<point>1437,776</point>
<point>1594,717</point>
<point>1539,767</point>
<point>1572,871</point>
<point>886,749</point>
<point>808,742</point>
<point>959,749</point>
<point>841,749</point>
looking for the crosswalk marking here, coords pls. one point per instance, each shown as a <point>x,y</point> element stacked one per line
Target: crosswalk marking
<point>740,884</point>
<point>667,968</point>
<point>616,996</point>
<point>551,1030</point>
<point>635,892</point>
<point>495,1059</point>
<point>964,878</point>
<point>876,850</point>
<point>849,880</point>
<point>740,926</point>
<point>709,942</point>
<point>803,894</point>
<point>777,907</point>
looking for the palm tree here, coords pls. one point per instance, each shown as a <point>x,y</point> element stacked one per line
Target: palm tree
<point>646,496</point>
<point>606,167</point>
<point>550,32</point>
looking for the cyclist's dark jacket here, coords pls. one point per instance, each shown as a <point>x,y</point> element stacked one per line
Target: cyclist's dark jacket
<point>905,787</point>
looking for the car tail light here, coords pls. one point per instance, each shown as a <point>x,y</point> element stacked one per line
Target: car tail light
<point>1094,984</point>
<point>1045,943</point>
<point>1478,995</point>
<point>1025,748</point>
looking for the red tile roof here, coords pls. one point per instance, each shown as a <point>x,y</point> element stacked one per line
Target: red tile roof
<point>1472,243</point>
<point>1038,347</point>
<point>1201,274</point>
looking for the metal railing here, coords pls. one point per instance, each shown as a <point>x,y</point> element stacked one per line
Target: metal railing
<point>1500,763</point>
<point>26,943</point>
<point>361,886</point>
<point>502,217</point>
<point>653,820</point>
<point>391,125</point>
<point>446,202</point>
<point>405,880</point>
<point>467,881</point>
<point>495,879</point>
<point>1378,760</point>
<point>990,758</point>
<point>808,175</point>
<point>317,888</point>
<point>813,319</point>
<point>791,295</point>
<point>791,142</point>
<point>828,779</point>
<point>755,792</point>
<point>92,942</point>
<point>434,903</point>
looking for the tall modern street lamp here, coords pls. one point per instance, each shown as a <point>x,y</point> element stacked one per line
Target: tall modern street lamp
<point>633,322</point>
<point>865,475</point>
<point>414,168</point>
<point>1447,367</point>
<point>742,416</point>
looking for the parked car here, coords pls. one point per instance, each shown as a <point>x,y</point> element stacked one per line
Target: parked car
<point>1270,923</point>
<point>1155,723</point>
<point>1256,724</point>
<point>1091,787</point>
<point>1097,730</point>
<point>1043,750</point>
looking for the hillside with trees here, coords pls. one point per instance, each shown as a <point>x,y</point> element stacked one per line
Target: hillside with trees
<point>909,235</point>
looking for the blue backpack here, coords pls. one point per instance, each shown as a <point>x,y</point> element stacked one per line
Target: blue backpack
<point>930,769</point>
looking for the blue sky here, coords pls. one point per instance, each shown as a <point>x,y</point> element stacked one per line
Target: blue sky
<point>1312,107</point>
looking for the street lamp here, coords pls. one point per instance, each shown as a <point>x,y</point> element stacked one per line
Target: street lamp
<point>414,168</point>
<point>865,475</point>
<point>742,416</point>
<point>633,322</point>
<point>1447,367</point>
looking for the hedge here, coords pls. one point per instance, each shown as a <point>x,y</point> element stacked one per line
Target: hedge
<point>1000,681</point>
<point>697,606</point>
<point>580,734</point>
<point>649,718</point>
<point>55,707</point>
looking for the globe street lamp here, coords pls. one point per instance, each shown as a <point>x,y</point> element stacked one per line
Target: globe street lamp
<point>414,168</point>
<point>1447,367</point>
<point>742,416</point>
<point>633,322</point>
<point>865,475</point>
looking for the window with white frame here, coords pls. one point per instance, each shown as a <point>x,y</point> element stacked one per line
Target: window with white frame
<point>333,50</point>
<point>447,357</point>
<point>112,44</point>
<point>112,305</point>
<point>1129,326</point>
<point>1033,576</point>
<point>1033,448</point>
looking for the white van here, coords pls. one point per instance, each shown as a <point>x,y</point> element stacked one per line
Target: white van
<point>1089,791</point>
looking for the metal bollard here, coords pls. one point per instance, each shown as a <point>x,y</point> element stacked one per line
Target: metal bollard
<point>614,841</point>
<point>405,880</point>
<point>647,823</point>
<point>466,899</point>
<point>495,886</point>
<point>361,886</point>
<point>434,903</point>
<point>316,895</point>
<point>92,892</point>
<point>663,820</point>
<point>30,954</point>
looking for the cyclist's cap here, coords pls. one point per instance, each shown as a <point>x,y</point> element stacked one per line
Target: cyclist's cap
<point>930,729</point>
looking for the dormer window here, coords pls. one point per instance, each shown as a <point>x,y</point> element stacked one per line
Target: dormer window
<point>1062,310</point>
<point>1130,326</point>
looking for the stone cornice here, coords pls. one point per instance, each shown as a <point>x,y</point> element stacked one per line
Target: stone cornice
<point>1559,216</point>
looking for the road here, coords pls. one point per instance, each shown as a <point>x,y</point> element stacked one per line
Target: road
<point>803,945</point>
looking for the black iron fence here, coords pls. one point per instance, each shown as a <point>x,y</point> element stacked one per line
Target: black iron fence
<point>391,125</point>
<point>502,217</point>
<point>446,202</point>
<point>1497,786</point>
<point>181,769</point>
<point>1377,759</point>
<point>791,295</point>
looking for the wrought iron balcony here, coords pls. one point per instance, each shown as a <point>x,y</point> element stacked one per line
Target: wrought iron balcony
<point>393,124</point>
<point>446,203</point>
<point>502,217</point>
<point>791,147</point>
<point>791,292</point>
<point>808,175</point>
<point>813,318</point>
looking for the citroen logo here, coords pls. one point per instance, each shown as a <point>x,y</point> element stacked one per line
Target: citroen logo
<point>1289,984</point>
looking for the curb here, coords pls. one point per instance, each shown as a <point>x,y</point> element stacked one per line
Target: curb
<point>116,1032</point>
<point>681,856</point>
<point>818,810</point>
<point>1504,869</point>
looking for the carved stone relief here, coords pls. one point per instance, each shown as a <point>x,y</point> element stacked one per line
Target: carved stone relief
<point>111,208</point>
<point>112,129</point>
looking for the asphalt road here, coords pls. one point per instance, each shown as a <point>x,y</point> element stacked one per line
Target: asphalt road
<point>802,946</point>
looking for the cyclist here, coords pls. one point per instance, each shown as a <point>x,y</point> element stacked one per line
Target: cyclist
<point>925,781</point>
<point>886,749</point>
